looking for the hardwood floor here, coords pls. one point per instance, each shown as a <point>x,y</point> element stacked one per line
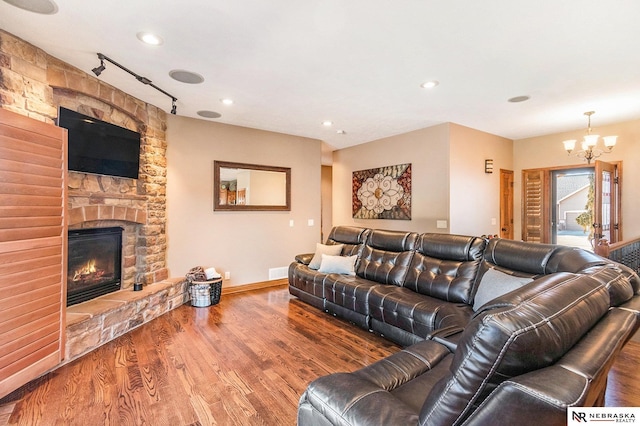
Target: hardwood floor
<point>244,361</point>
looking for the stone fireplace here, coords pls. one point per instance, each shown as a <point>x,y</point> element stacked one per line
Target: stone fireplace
<point>94,263</point>
<point>35,84</point>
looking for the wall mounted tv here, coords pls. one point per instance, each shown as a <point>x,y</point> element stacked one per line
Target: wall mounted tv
<point>99,147</point>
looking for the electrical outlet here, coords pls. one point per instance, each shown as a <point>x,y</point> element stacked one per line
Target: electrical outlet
<point>227,275</point>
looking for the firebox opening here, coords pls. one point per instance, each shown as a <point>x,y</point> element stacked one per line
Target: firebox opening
<point>94,264</point>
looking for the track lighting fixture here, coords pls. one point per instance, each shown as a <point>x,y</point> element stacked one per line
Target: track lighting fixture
<point>98,70</point>
<point>144,80</point>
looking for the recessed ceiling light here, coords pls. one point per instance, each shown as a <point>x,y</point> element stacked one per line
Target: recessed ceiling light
<point>209,114</point>
<point>149,38</point>
<point>429,84</point>
<point>45,7</point>
<point>327,123</point>
<point>341,132</point>
<point>227,101</point>
<point>516,99</point>
<point>186,76</point>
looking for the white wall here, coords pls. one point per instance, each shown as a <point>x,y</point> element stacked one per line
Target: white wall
<point>247,244</point>
<point>548,151</point>
<point>475,195</point>
<point>428,152</point>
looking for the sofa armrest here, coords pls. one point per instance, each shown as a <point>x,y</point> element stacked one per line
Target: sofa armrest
<point>395,370</point>
<point>305,258</point>
<point>447,336</point>
<point>342,399</point>
<point>531,399</point>
<point>632,305</point>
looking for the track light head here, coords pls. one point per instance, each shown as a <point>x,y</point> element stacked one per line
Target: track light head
<point>98,70</point>
<point>174,108</point>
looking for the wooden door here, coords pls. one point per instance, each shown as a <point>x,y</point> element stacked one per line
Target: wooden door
<point>606,211</point>
<point>506,204</point>
<point>32,248</point>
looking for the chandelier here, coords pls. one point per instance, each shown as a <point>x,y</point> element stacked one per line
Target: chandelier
<point>589,149</point>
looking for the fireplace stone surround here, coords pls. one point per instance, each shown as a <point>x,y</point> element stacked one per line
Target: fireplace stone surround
<point>35,84</point>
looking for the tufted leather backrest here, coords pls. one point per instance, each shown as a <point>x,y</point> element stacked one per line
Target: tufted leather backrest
<point>352,237</point>
<point>520,332</point>
<point>386,256</point>
<point>445,266</point>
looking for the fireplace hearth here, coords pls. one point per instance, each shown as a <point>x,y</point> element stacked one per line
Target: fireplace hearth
<point>94,264</point>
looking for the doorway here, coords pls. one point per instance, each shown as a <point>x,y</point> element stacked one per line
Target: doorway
<point>572,198</point>
<point>543,221</point>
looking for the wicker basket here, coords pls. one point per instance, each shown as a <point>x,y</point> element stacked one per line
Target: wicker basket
<point>205,293</point>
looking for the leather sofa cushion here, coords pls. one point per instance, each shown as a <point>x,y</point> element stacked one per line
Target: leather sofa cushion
<point>395,241</point>
<point>445,266</point>
<point>415,313</point>
<point>522,331</point>
<point>366,396</point>
<point>519,256</point>
<point>352,237</point>
<point>348,291</point>
<point>305,279</point>
<point>451,247</point>
<point>386,256</point>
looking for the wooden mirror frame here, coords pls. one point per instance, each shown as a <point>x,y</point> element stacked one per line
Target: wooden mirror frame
<point>217,206</point>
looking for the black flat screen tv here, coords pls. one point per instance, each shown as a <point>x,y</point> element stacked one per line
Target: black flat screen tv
<point>99,147</point>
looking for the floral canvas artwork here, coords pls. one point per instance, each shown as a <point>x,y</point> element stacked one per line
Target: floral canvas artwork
<point>382,193</point>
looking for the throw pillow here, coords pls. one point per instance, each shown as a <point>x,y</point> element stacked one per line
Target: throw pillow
<point>494,284</point>
<point>331,250</point>
<point>338,264</point>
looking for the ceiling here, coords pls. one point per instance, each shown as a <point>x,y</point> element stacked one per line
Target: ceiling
<point>289,65</point>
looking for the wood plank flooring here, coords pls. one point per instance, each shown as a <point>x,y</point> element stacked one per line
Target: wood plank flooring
<point>245,361</point>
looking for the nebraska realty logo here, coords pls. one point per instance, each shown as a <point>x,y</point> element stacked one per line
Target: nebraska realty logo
<point>602,415</point>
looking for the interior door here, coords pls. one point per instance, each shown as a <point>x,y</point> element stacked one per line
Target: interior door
<point>506,204</point>
<point>606,210</point>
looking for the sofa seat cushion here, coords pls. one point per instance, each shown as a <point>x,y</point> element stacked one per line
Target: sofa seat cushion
<point>348,291</point>
<point>415,313</point>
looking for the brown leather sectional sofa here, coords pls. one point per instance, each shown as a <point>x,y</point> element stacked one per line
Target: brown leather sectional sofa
<point>470,358</point>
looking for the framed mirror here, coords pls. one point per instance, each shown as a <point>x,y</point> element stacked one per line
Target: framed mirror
<point>239,186</point>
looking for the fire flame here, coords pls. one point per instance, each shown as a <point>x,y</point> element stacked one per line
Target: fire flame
<point>87,269</point>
